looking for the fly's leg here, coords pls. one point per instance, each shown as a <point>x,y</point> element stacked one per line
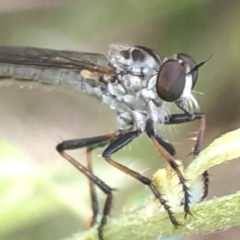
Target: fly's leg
<point>90,144</point>
<point>187,116</point>
<point>168,152</point>
<point>116,143</point>
<point>93,193</point>
<point>116,146</point>
<point>205,179</point>
<point>92,187</point>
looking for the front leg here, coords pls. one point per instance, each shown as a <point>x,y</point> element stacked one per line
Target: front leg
<point>187,116</point>
<point>166,149</point>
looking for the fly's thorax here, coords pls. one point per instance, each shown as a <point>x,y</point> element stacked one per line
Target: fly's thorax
<point>133,92</point>
<point>135,100</point>
<point>136,119</point>
<point>138,60</point>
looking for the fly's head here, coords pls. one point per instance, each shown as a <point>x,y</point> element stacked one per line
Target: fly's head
<point>176,79</point>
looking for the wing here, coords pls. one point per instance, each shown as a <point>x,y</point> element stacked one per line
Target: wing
<point>52,66</point>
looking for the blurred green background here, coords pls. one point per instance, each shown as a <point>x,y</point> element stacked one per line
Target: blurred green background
<point>41,195</point>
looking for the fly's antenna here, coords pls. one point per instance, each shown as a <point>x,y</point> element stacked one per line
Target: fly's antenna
<point>199,65</point>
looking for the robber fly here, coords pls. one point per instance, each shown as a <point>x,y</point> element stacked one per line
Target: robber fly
<point>135,81</point>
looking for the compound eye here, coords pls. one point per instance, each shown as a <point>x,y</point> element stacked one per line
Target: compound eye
<point>189,63</point>
<point>170,81</point>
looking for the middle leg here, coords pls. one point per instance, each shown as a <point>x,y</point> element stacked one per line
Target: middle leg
<point>117,145</point>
